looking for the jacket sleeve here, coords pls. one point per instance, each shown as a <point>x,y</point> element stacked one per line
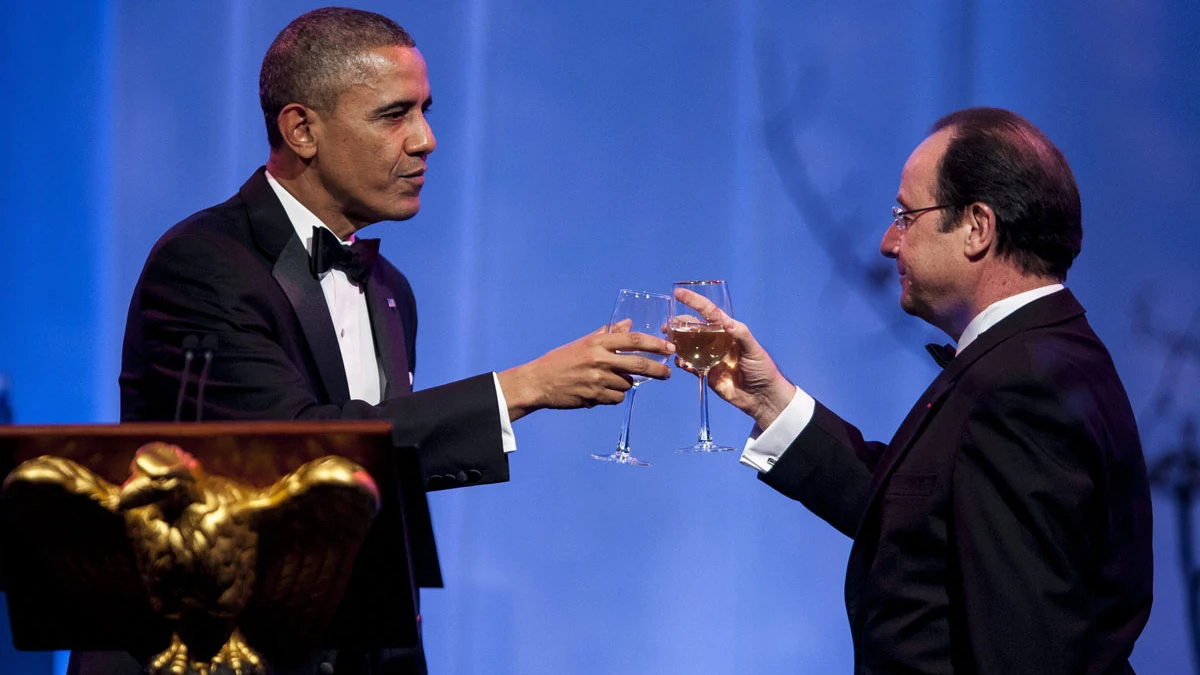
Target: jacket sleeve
<point>828,469</point>
<point>209,285</point>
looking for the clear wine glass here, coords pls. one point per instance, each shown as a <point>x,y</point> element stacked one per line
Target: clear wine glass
<point>701,345</point>
<point>647,313</point>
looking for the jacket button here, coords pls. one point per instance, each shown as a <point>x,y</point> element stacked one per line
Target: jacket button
<point>436,481</point>
<point>474,475</point>
<point>461,476</point>
<point>326,668</point>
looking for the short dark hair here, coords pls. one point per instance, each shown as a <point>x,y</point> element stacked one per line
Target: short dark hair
<point>999,158</point>
<point>315,58</point>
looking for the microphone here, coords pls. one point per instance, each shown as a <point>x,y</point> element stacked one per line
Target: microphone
<point>189,352</point>
<point>209,345</point>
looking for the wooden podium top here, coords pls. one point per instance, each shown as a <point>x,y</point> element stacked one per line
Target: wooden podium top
<point>254,453</point>
<point>195,429</point>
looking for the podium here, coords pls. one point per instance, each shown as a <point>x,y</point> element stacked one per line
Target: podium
<point>72,576</point>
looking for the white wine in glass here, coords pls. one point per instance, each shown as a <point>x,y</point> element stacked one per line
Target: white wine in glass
<point>646,313</point>
<point>701,345</point>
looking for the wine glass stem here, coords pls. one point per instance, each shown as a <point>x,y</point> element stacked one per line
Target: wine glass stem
<point>705,437</point>
<point>623,443</point>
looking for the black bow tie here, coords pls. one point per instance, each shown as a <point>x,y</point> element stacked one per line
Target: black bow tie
<point>940,353</point>
<point>355,260</point>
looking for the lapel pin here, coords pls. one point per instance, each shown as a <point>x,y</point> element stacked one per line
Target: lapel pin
<point>391,303</point>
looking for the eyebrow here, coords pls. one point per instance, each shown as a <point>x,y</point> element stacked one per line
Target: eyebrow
<point>402,104</point>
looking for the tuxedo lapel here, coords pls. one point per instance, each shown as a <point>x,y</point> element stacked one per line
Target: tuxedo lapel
<point>863,549</point>
<point>304,292</point>
<point>277,238</point>
<point>910,429</point>
<point>388,327</point>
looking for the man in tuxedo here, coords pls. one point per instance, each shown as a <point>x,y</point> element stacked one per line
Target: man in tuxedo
<point>1005,529</point>
<point>304,320</point>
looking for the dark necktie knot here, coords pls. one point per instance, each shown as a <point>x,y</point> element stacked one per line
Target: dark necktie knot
<point>940,353</point>
<point>356,260</point>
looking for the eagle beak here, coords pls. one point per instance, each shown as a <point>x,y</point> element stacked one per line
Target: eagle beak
<point>137,491</point>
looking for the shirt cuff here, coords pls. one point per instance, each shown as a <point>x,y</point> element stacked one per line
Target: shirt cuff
<point>507,437</point>
<point>766,446</point>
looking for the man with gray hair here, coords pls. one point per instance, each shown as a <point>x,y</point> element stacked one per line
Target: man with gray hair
<point>309,321</point>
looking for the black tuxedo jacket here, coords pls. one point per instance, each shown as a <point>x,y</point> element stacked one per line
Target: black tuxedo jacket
<point>237,271</point>
<point>1006,527</point>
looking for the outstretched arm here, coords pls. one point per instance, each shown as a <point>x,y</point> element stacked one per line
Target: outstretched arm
<point>814,456</point>
<point>583,373</point>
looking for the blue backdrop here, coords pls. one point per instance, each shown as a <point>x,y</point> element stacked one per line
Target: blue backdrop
<point>586,147</point>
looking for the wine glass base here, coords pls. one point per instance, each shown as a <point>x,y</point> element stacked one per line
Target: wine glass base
<point>618,457</point>
<point>707,446</point>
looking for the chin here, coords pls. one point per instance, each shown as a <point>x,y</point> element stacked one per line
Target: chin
<point>402,211</point>
<point>912,307</point>
<point>407,209</point>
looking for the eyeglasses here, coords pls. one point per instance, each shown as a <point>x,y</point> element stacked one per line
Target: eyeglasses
<point>902,219</point>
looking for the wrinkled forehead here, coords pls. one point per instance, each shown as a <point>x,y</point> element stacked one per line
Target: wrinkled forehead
<point>392,72</point>
<point>385,64</point>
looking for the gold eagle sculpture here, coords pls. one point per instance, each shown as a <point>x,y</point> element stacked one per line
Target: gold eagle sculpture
<point>222,564</point>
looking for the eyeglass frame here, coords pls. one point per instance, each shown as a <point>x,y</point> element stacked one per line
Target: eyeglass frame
<point>900,216</point>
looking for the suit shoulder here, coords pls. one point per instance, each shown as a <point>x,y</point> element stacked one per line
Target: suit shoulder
<point>212,244</point>
<point>1064,352</point>
<point>1065,369</point>
<point>225,219</point>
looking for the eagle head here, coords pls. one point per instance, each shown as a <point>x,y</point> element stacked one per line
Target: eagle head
<point>162,474</point>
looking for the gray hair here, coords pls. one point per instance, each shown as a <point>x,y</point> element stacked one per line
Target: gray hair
<point>317,57</point>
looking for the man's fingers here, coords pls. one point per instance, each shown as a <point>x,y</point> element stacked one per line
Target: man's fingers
<point>608,384</point>
<point>640,365</point>
<point>621,326</point>
<point>637,342</point>
<point>703,306</point>
<point>741,334</point>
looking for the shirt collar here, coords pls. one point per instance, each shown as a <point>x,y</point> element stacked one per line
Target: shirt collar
<point>997,311</point>
<point>302,219</point>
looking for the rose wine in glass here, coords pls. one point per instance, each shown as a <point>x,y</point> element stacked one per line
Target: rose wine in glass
<point>646,313</point>
<point>700,345</point>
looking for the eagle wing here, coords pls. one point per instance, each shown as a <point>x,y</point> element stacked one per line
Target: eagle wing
<point>69,551</point>
<point>310,525</point>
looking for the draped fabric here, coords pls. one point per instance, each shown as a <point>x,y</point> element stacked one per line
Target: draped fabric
<point>589,147</point>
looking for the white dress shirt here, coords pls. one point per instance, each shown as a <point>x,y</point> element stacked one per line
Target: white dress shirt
<point>765,446</point>
<point>347,304</point>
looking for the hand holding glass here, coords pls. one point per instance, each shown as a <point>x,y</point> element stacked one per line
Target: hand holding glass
<point>701,345</point>
<point>647,313</point>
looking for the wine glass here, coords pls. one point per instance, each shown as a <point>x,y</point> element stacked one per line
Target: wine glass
<point>701,345</point>
<point>647,313</point>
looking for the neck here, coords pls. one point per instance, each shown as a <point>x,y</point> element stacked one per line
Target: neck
<point>302,181</point>
<point>993,288</point>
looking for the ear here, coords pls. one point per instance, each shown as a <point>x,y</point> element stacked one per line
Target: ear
<point>295,125</point>
<point>981,234</point>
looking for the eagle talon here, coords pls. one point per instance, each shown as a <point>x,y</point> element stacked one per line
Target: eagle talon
<point>238,657</point>
<point>173,659</point>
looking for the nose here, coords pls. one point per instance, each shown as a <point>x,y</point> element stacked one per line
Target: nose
<point>890,246</point>
<point>421,141</point>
